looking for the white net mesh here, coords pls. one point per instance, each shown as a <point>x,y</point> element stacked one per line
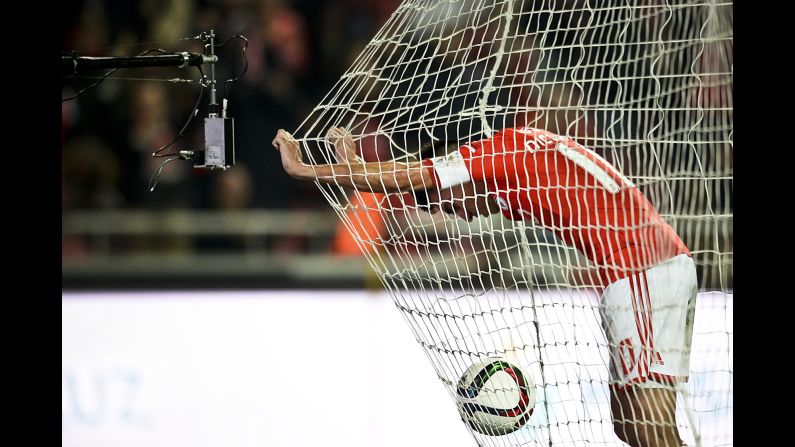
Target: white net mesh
<point>646,85</point>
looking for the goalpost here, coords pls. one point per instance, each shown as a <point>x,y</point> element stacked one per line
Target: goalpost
<point>646,85</point>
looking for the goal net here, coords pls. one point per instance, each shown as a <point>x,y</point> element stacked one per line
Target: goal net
<point>647,85</point>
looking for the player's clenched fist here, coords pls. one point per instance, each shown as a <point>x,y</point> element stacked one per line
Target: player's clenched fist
<point>290,150</point>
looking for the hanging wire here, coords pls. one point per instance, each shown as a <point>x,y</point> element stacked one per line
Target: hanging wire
<point>157,153</point>
<point>156,175</point>
<point>228,82</point>
<point>90,86</point>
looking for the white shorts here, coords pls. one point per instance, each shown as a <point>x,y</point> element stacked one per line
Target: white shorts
<point>648,320</point>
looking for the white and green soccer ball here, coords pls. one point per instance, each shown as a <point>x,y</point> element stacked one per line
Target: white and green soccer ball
<point>495,397</point>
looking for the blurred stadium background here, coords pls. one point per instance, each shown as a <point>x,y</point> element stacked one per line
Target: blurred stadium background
<point>158,347</point>
<point>248,226</point>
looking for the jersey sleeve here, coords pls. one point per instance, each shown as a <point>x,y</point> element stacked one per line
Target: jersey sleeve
<point>496,160</point>
<point>491,160</point>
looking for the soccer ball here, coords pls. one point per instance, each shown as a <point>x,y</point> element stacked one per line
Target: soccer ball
<point>495,397</point>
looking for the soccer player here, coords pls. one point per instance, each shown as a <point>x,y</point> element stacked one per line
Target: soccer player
<point>646,271</point>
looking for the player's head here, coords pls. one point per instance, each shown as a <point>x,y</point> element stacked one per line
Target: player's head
<point>467,200</point>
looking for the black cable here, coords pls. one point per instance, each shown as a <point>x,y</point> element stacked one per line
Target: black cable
<point>156,175</point>
<point>228,82</point>
<point>90,86</point>
<point>194,112</point>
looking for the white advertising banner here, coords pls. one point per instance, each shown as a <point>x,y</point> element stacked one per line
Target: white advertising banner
<point>271,368</point>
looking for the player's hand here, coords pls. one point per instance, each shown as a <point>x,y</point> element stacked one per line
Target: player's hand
<point>344,148</point>
<point>290,150</point>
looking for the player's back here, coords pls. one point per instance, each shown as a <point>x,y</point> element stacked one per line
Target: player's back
<point>576,194</point>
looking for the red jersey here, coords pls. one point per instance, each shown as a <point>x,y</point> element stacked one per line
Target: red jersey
<point>571,191</point>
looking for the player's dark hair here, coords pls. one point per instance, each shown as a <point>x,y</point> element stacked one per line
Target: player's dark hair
<point>429,150</point>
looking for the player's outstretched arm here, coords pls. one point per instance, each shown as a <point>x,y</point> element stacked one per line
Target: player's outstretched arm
<point>385,177</point>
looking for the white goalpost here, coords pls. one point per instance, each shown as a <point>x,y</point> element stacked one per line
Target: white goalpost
<point>645,85</point>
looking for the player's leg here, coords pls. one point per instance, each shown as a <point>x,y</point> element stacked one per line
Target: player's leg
<point>648,322</point>
<point>645,416</point>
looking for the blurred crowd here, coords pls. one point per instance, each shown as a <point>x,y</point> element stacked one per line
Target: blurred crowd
<point>296,52</point>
